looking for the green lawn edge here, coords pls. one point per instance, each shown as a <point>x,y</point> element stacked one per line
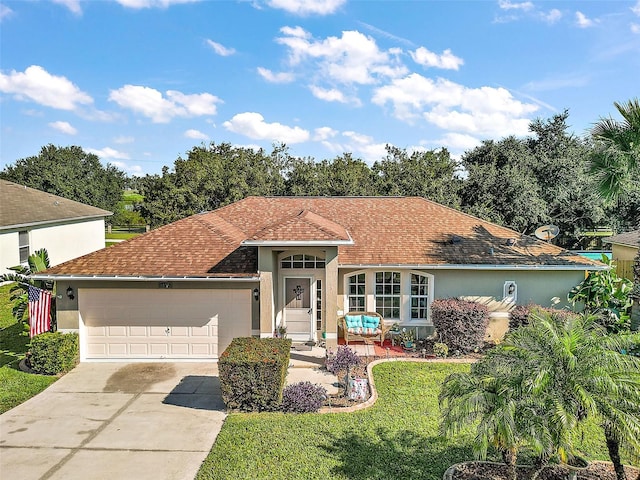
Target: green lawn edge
<point>397,438</point>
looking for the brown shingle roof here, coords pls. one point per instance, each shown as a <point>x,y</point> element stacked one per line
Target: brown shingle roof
<point>385,231</point>
<point>630,239</point>
<point>24,206</point>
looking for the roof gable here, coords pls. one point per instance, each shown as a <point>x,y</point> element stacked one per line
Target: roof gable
<point>305,226</point>
<point>24,207</point>
<point>629,239</point>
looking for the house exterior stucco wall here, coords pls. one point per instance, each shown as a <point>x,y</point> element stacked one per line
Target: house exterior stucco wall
<point>63,241</point>
<point>9,251</point>
<point>623,252</point>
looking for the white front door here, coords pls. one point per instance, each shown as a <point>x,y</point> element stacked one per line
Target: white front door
<point>298,308</point>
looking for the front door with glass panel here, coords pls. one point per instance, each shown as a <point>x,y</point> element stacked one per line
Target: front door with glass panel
<point>298,308</point>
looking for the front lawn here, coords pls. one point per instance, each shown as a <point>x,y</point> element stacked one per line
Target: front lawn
<point>397,438</point>
<point>15,386</point>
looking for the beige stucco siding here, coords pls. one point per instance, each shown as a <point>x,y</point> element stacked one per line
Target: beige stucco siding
<point>623,252</point>
<point>9,251</point>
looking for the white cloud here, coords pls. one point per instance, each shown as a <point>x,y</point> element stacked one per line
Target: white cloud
<point>582,20</point>
<point>451,106</point>
<point>220,49</point>
<point>353,58</point>
<point>152,104</point>
<point>5,12</point>
<point>72,5</point>
<point>552,16</point>
<point>122,140</point>
<point>63,127</point>
<point>507,5</point>
<point>108,152</point>
<point>307,7</point>
<point>135,170</point>
<point>446,60</point>
<point>38,85</point>
<point>196,134</point>
<point>570,80</point>
<point>281,77</point>
<point>329,95</point>
<point>636,8</point>
<point>457,142</point>
<point>252,125</point>
<point>137,4</point>
<point>324,133</point>
<point>635,28</point>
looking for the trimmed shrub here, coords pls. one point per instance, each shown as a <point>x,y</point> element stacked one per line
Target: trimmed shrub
<point>53,353</point>
<point>519,316</point>
<point>461,324</point>
<point>303,397</point>
<point>342,360</point>
<point>252,373</point>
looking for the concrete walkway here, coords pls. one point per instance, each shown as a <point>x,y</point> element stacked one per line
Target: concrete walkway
<point>121,421</point>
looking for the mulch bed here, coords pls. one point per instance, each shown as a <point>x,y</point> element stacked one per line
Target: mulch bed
<point>487,471</point>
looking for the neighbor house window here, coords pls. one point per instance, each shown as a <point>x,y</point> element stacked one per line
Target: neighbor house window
<point>387,293</point>
<point>23,246</point>
<point>419,297</point>
<point>302,261</point>
<point>357,293</point>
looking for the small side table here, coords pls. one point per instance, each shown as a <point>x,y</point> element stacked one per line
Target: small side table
<point>393,335</point>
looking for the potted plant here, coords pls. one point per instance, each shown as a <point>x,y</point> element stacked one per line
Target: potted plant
<point>281,331</point>
<point>407,339</point>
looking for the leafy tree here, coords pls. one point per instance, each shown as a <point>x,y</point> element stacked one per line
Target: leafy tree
<point>71,173</point>
<point>37,262</point>
<point>616,165</point>
<point>430,174</point>
<point>525,183</point>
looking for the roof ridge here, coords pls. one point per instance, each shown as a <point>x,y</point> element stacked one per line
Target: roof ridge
<point>230,231</point>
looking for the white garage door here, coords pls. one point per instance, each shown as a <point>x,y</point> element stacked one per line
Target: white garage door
<point>155,324</point>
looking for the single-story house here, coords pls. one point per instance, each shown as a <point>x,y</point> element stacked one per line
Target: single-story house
<point>31,219</point>
<point>624,248</point>
<point>184,290</point>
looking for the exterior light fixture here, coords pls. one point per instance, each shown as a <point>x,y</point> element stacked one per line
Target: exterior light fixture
<point>70,294</point>
<point>512,288</point>
<point>256,294</point>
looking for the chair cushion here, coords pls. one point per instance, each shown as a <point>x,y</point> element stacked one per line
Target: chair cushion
<point>364,331</point>
<point>353,321</point>
<point>370,321</point>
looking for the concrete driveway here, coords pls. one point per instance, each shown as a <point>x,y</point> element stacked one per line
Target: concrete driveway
<point>115,421</point>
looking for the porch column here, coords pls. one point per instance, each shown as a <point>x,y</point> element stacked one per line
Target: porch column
<point>331,296</point>
<point>265,267</point>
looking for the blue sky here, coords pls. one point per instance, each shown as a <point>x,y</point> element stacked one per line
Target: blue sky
<point>140,82</point>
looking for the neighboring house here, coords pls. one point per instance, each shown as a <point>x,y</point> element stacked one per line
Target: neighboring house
<point>624,248</point>
<point>184,290</point>
<point>31,219</point>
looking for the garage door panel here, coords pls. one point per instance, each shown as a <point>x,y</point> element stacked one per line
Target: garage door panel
<point>145,323</point>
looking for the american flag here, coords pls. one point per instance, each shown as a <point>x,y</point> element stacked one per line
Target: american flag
<point>39,310</point>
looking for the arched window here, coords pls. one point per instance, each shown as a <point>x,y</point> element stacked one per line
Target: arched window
<point>357,293</point>
<point>419,297</point>
<point>387,293</point>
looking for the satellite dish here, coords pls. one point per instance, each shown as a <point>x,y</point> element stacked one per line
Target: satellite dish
<point>547,232</point>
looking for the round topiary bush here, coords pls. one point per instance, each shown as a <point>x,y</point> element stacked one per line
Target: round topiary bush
<point>303,397</point>
<point>461,324</point>
<point>53,353</point>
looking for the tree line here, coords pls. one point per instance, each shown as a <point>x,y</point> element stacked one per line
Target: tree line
<point>522,183</point>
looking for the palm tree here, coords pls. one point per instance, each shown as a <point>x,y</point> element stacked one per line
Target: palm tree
<point>37,262</point>
<point>617,163</point>
<point>578,372</point>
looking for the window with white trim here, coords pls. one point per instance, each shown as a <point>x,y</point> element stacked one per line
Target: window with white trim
<point>387,294</point>
<point>419,297</point>
<point>302,261</point>
<point>23,246</point>
<point>357,293</point>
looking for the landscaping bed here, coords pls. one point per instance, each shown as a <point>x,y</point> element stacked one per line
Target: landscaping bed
<point>489,471</point>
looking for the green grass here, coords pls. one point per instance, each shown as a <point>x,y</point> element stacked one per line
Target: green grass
<point>397,438</point>
<point>15,386</point>
<point>132,197</point>
<point>120,235</point>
